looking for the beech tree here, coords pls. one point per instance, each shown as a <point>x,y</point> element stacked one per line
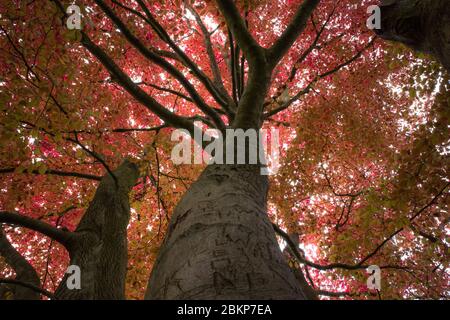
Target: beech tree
<point>87,178</point>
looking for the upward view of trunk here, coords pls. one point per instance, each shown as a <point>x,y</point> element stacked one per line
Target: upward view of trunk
<point>99,245</point>
<point>423,25</point>
<point>221,244</point>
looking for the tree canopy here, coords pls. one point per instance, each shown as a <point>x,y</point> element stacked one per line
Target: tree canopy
<point>364,128</point>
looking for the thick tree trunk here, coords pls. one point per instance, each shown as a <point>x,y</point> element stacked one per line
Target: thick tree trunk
<point>99,248</point>
<point>423,25</point>
<point>220,243</point>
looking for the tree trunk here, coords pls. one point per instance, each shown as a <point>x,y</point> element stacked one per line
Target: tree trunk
<point>220,243</point>
<point>24,272</point>
<point>423,25</point>
<point>99,248</point>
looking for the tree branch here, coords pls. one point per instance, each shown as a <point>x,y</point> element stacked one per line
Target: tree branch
<point>56,173</point>
<point>217,77</point>
<point>302,259</point>
<point>29,286</point>
<point>96,156</point>
<point>293,30</point>
<point>135,42</point>
<point>209,48</point>
<point>233,67</point>
<point>157,128</point>
<point>360,265</point>
<point>310,85</point>
<point>24,270</point>
<point>237,26</point>
<point>125,81</point>
<point>302,58</point>
<point>413,217</point>
<point>427,236</point>
<point>214,88</point>
<point>139,94</point>
<point>174,92</point>
<point>63,237</point>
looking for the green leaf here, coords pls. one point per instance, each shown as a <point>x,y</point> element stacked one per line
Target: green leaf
<point>42,169</point>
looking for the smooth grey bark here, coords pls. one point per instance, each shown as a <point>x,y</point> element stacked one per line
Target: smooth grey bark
<point>99,245</point>
<point>24,272</point>
<point>423,25</point>
<point>220,243</point>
